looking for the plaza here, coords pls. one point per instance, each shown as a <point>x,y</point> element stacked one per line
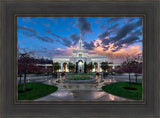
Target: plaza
<point>81,91</point>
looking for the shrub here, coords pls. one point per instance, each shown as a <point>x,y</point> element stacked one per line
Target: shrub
<point>80,78</point>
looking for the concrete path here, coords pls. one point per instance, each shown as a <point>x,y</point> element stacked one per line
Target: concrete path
<point>89,95</point>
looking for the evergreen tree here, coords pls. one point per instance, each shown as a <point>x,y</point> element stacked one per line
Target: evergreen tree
<point>90,66</point>
<point>71,66</point>
<point>104,66</point>
<point>56,66</point>
<point>76,67</point>
<point>85,67</point>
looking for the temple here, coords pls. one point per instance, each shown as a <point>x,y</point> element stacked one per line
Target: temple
<point>80,56</point>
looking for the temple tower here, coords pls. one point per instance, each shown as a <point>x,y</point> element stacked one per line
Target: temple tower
<point>80,44</point>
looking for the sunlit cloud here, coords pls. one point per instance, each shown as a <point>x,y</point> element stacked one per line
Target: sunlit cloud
<point>118,56</point>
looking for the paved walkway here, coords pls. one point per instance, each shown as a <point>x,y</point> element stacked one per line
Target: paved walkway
<point>81,91</point>
<point>89,95</point>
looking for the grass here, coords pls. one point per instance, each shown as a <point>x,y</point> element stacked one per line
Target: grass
<point>90,73</point>
<point>118,89</point>
<point>80,78</point>
<point>35,90</point>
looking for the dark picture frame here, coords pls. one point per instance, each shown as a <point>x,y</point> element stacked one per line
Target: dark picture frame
<point>148,10</point>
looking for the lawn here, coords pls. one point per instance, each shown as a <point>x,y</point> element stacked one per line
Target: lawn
<point>80,78</point>
<point>35,90</point>
<point>119,90</point>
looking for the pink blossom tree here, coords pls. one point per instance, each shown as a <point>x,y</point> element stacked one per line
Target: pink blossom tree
<point>128,66</point>
<point>137,66</point>
<point>26,65</point>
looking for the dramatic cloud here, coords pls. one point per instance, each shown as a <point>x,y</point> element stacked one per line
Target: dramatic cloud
<point>124,36</point>
<point>75,38</point>
<point>89,46</point>
<point>65,41</point>
<point>45,38</point>
<point>84,25</point>
<point>113,28</point>
<point>138,32</point>
<point>115,56</point>
<point>113,20</point>
<point>104,35</point>
<point>30,32</point>
<point>29,29</point>
<point>125,42</point>
<point>67,51</point>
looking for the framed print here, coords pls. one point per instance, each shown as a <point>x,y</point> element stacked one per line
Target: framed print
<point>80,59</point>
<point>78,67</point>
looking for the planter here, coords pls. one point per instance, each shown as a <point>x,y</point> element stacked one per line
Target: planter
<point>80,81</point>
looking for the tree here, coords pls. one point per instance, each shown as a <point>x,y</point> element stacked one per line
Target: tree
<point>89,66</point>
<point>76,67</point>
<point>45,70</point>
<point>56,66</point>
<point>104,66</point>
<point>137,66</point>
<point>26,65</point>
<point>119,70</point>
<point>128,66</point>
<point>71,66</point>
<point>49,70</point>
<point>20,72</point>
<point>85,67</point>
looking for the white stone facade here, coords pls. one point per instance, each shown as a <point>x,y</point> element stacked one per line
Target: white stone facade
<point>80,56</point>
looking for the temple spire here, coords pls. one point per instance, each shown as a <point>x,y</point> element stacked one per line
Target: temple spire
<point>80,42</point>
<point>80,35</point>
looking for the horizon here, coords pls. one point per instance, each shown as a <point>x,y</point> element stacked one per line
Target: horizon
<point>112,37</point>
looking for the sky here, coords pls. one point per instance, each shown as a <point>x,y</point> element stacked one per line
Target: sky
<point>114,37</point>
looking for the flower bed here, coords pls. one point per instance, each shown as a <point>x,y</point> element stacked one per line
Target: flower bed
<point>80,79</point>
<point>90,73</point>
